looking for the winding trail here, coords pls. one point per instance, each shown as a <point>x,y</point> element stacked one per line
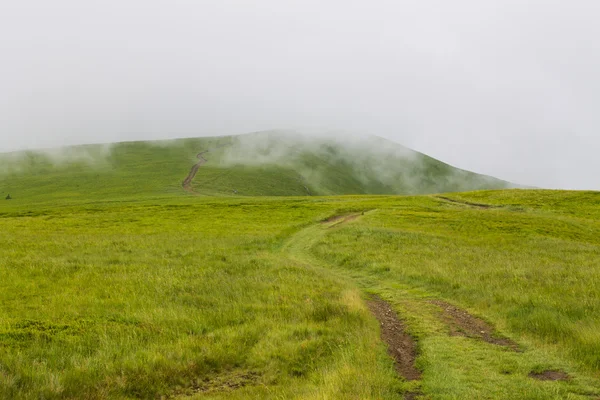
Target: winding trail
<point>187,182</point>
<point>402,347</point>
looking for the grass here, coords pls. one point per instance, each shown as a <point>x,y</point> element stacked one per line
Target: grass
<point>529,269</point>
<point>116,283</point>
<point>131,301</point>
<point>255,298</point>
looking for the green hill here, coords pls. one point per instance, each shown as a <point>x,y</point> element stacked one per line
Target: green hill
<point>171,270</point>
<point>258,164</point>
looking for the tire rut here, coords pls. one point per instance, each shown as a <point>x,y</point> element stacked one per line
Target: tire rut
<point>401,346</point>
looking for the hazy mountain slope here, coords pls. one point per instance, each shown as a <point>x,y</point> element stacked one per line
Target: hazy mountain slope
<point>266,163</point>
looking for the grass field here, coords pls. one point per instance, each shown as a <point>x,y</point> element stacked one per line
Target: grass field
<point>117,282</point>
<point>200,297</point>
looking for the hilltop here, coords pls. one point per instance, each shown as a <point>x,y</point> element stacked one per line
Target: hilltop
<point>257,164</point>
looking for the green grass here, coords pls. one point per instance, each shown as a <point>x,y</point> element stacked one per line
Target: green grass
<point>143,301</point>
<point>256,298</point>
<point>261,164</point>
<point>116,283</point>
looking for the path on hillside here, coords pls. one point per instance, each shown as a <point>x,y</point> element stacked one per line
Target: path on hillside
<point>187,182</point>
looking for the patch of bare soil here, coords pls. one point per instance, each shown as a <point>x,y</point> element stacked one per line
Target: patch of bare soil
<point>550,376</point>
<point>401,346</point>
<point>333,218</point>
<point>411,395</point>
<point>467,203</point>
<point>461,323</point>
<point>337,220</point>
<point>220,383</point>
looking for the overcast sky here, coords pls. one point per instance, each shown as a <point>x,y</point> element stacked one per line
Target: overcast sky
<point>510,88</point>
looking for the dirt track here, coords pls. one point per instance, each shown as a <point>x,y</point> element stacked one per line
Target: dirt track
<point>187,183</point>
<point>401,345</point>
<point>467,203</point>
<point>337,220</point>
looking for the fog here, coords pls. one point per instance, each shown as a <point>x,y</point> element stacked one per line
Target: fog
<point>507,88</point>
<point>376,164</point>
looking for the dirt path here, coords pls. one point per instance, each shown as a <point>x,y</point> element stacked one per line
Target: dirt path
<point>187,182</point>
<point>467,203</point>
<point>401,346</point>
<point>338,220</point>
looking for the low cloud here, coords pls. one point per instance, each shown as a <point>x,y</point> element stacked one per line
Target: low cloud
<point>94,156</point>
<point>369,163</point>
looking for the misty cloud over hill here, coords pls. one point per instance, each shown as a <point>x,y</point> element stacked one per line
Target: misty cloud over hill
<point>269,163</point>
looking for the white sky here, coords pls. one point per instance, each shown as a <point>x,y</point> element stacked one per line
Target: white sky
<point>510,88</point>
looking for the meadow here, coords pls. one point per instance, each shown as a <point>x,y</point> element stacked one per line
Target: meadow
<point>181,296</point>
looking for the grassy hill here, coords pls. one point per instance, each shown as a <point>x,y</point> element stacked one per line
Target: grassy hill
<point>260,164</point>
<point>116,282</point>
<point>272,297</point>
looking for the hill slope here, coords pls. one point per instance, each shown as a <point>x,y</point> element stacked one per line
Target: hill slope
<point>258,164</point>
